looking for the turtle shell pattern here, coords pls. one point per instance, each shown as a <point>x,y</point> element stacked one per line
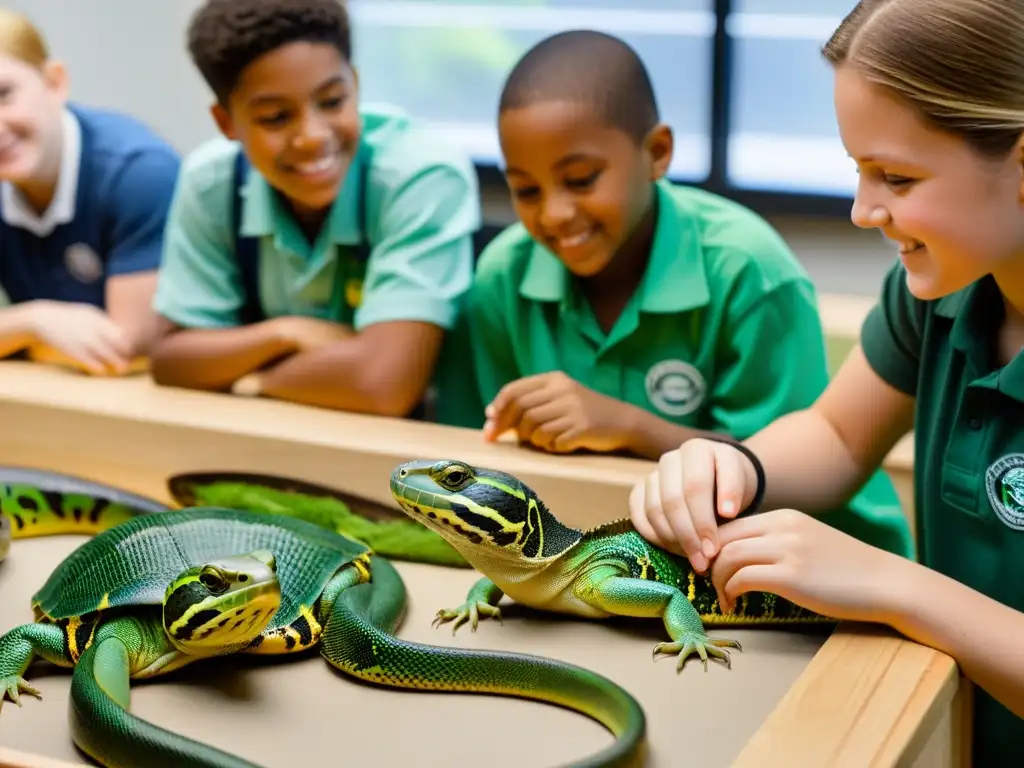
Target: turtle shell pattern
<point>132,563</point>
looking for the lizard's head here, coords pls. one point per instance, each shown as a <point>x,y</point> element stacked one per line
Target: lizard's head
<point>222,605</point>
<point>479,511</point>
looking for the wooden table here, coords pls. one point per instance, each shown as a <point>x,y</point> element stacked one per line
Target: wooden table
<point>860,697</point>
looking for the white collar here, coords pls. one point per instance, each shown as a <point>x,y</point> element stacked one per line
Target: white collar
<point>18,213</point>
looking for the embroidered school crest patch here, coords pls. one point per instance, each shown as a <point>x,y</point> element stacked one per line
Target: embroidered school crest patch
<point>1004,483</point>
<point>675,387</point>
<point>83,263</point>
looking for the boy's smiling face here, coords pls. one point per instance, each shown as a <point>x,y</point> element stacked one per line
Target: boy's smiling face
<point>295,111</point>
<point>580,187</point>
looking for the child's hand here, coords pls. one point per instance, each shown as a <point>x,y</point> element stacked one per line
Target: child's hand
<point>675,507</point>
<point>78,336</point>
<point>800,558</point>
<point>558,414</point>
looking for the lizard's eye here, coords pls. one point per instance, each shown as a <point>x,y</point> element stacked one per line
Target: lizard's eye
<point>455,477</point>
<point>213,581</point>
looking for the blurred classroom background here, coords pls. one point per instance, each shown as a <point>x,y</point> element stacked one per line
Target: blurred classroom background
<point>741,82</point>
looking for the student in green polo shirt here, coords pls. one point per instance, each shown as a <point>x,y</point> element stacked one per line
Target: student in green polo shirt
<point>622,312</point>
<point>323,244</point>
<point>627,314</point>
<point>930,104</point>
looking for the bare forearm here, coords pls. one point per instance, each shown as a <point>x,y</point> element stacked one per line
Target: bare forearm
<point>981,634</point>
<point>213,359</point>
<point>339,377</point>
<point>807,465</point>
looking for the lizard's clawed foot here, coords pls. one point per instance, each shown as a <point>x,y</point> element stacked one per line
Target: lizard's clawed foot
<point>468,611</point>
<point>703,646</point>
<point>11,687</point>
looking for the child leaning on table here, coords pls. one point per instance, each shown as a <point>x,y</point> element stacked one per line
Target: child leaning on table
<point>324,244</point>
<point>929,96</point>
<point>624,313</point>
<point>84,194</point>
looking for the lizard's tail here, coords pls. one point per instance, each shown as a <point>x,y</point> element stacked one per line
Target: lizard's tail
<point>41,503</point>
<point>359,644</point>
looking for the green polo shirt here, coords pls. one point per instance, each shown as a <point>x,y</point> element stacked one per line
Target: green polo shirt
<point>969,454</point>
<point>723,333</point>
<point>422,206</point>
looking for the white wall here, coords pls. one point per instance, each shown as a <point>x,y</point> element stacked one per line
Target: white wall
<point>131,55</point>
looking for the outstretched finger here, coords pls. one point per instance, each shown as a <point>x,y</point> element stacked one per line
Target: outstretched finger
<point>730,481</point>
<point>692,515</point>
<point>655,515</point>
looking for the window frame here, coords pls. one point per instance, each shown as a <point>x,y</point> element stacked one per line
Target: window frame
<point>767,201</point>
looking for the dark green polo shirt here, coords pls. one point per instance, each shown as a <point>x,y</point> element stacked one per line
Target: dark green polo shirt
<point>969,454</point>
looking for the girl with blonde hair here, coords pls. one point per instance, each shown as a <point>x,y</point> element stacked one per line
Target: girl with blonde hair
<point>929,98</point>
<point>83,199</point>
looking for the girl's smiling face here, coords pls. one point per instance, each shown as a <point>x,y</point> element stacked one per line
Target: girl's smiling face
<point>955,214</point>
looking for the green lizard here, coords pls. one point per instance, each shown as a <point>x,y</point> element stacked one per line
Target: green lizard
<point>507,533</point>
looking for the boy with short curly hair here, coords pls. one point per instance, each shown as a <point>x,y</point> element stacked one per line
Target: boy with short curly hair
<point>323,244</point>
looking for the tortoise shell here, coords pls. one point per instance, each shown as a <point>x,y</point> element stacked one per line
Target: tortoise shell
<point>132,563</point>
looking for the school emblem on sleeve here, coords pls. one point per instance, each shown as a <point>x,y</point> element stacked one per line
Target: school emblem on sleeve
<point>83,263</point>
<point>675,387</point>
<point>1004,482</point>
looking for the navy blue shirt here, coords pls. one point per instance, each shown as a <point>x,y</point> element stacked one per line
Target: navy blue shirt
<point>114,212</point>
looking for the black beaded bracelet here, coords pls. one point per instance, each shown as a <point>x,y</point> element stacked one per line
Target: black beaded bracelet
<point>754,507</point>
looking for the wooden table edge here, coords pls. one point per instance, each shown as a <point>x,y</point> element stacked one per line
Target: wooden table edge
<point>12,758</point>
<point>897,695</point>
<point>911,684</point>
